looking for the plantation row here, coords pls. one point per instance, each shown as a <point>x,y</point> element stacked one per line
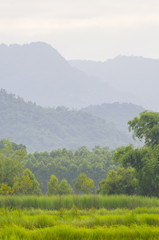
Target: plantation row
<point>17,179</point>
<point>58,172</point>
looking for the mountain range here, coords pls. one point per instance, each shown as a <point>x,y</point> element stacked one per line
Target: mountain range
<point>116,113</point>
<point>38,73</point>
<point>71,103</point>
<point>137,76</point>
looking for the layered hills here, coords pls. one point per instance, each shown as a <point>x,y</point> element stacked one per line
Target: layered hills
<point>138,76</point>
<point>38,73</point>
<point>117,113</point>
<point>44,129</point>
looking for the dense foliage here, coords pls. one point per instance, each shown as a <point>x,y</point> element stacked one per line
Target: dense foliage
<point>79,170</point>
<point>54,188</point>
<point>14,178</point>
<point>26,184</point>
<point>144,160</point>
<point>84,184</point>
<point>146,128</point>
<point>122,181</point>
<point>65,164</point>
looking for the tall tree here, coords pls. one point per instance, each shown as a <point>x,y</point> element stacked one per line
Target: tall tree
<point>27,184</point>
<point>146,127</point>
<point>53,185</point>
<point>10,162</point>
<point>84,184</point>
<point>64,188</point>
<point>144,160</point>
<point>122,181</point>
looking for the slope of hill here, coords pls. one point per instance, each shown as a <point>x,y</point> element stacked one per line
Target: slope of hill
<point>38,73</point>
<point>43,129</point>
<point>137,75</point>
<point>117,113</point>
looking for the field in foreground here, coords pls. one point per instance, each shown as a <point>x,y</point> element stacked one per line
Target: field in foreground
<point>114,221</point>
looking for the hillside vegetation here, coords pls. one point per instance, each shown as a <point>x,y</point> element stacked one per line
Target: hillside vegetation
<point>44,129</point>
<point>117,113</point>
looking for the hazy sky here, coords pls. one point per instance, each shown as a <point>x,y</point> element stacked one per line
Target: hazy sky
<point>84,29</point>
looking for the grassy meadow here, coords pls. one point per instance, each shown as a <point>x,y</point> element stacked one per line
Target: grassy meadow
<point>79,217</point>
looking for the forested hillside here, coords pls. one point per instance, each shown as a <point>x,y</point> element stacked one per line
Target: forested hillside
<point>44,129</point>
<point>117,113</point>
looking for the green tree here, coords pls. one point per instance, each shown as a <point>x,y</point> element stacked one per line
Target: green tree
<point>64,188</point>
<point>6,190</point>
<point>12,144</point>
<point>146,127</point>
<point>144,160</point>
<point>53,185</point>
<point>10,162</point>
<point>67,164</point>
<point>149,174</point>
<point>27,184</point>
<point>84,184</point>
<point>122,181</point>
<point>130,157</point>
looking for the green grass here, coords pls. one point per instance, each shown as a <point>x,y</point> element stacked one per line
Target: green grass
<point>79,217</point>
<point>65,232</point>
<point>80,201</point>
<point>141,223</point>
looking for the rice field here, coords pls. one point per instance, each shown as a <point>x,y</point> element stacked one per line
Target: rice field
<point>90,217</point>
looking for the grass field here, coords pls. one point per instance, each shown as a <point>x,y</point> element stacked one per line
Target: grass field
<point>114,217</point>
<point>80,201</point>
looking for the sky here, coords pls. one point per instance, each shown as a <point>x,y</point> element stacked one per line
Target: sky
<point>85,29</point>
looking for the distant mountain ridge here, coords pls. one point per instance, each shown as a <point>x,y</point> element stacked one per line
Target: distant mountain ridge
<point>38,73</point>
<point>117,113</point>
<point>137,75</point>
<point>44,129</point>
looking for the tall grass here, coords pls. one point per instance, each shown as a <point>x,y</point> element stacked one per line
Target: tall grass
<point>92,224</point>
<point>42,219</point>
<point>65,232</point>
<point>80,201</point>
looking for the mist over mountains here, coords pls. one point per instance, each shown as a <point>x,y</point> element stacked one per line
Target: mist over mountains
<point>38,73</point>
<point>116,113</point>
<point>45,129</point>
<point>136,75</point>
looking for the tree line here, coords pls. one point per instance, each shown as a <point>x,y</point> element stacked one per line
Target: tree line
<point>21,171</point>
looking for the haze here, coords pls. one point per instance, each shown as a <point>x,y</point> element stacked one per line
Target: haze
<point>85,29</point>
